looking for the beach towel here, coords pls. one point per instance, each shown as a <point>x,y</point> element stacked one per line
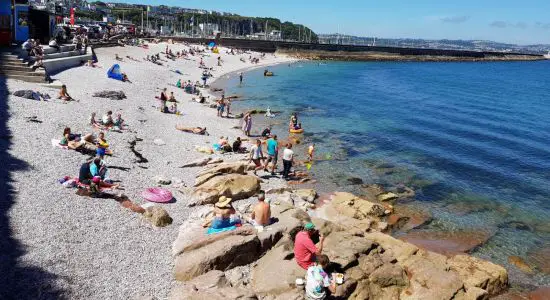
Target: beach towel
<point>214,230</point>
<point>115,72</point>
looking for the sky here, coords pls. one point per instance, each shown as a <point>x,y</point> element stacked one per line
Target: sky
<point>520,22</point>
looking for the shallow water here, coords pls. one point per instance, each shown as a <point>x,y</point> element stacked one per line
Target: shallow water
<point>472,138</point>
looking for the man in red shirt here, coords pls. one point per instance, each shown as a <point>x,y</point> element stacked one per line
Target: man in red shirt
<point>305,250</point>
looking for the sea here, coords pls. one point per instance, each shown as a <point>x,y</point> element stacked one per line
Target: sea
<point>471,138</point>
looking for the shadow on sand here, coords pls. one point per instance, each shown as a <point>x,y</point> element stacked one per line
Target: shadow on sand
<point>17,280</point>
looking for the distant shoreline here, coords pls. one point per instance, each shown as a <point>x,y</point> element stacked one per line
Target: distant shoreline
<point>381,56</point>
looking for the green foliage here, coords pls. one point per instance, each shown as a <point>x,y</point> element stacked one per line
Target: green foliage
<point>248,25</point>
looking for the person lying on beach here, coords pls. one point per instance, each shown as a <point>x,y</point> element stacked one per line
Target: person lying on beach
<point>194,130</point>
<point>63,94</point>
<point>257,156</point>
<point>125,78</point>
<point>76,141</point>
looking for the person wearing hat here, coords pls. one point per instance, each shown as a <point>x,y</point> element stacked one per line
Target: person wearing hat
<point>224,214</point>
<point>305,251</point>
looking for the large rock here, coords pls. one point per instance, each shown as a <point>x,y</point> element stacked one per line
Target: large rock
<point>158,216</point>
<point>234,186</point>
<point>479,273</point>
<point>400,250</point>
<point>448,243</point>
<point>239,248</point>
<point>344,248</point>
<point>388,275</point>
<point>276,272</point>
<point>221,169</point>
<point>430,278</point>
<point>212,285</point>
<point>355,207</point>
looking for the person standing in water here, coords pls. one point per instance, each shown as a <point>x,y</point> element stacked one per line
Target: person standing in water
<point>241,78</point>
<point>310,152</point>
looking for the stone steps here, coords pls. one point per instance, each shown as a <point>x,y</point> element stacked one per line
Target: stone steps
<point>26,78</point>
<point>13,67</point>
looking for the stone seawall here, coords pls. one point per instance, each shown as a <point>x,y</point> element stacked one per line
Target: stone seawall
<point>362,53</point>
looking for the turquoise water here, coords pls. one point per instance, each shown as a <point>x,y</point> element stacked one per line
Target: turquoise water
<point>473,139</point>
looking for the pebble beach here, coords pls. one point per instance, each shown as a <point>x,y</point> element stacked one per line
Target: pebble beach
<point>95,248</point>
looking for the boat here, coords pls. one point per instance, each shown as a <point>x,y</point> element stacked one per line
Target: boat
<point>547,56</point>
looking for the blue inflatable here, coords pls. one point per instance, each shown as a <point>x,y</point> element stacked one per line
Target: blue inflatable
<point>115,73</point>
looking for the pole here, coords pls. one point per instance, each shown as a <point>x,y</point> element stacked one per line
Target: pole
<point>147,18</point>
<point>142,22</point>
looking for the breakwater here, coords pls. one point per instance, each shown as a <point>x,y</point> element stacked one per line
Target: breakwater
<point>361,53</point>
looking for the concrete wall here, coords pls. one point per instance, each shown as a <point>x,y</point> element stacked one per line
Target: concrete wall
<point>273,46</point>
<point>57,65</point>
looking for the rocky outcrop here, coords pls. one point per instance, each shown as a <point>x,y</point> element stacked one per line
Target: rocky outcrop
<point>234,186</point>
<point>375,265</point>
<point>355,207</point>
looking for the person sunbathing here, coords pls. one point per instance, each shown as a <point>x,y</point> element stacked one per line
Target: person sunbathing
<point>76,141</point>
<point>261,214</point>
<point>64,95</point>
<point>225,216</point>
<point>194,130</point>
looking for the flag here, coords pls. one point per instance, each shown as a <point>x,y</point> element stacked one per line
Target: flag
<point>72,16</point>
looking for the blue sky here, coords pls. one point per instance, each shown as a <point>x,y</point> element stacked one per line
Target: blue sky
<point>503,20</point>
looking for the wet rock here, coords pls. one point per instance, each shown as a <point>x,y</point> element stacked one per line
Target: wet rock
<point>520,264</point>
<point>387,197</point>
<point>448,243</point>
<point>540,258</point>
<point>517,225</point>
<point>234,186</point>
<point>542,293</point>
<point>158,216</point>
<point>355,181</point>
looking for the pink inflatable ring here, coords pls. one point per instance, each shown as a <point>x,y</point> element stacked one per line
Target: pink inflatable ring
<point>157,195</point>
